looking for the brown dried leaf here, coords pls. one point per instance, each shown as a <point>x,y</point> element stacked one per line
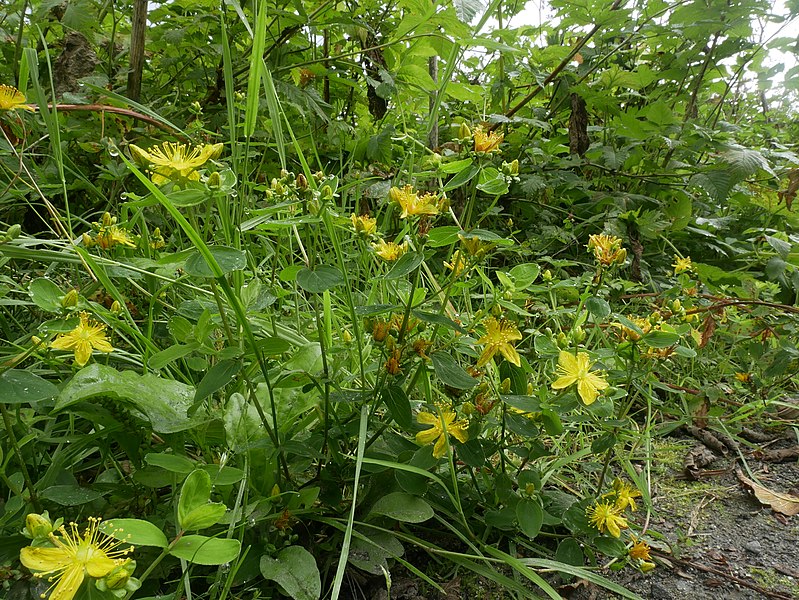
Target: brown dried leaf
<point>708,328</point>
<point>785,504</point>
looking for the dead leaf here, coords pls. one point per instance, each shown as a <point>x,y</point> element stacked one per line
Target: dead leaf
<point>708,328</point>
<point>781,503</point>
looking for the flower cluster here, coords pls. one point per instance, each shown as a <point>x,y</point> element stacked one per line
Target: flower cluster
<point>413,204</point>
<point>107,234</point>
<point>390,251</point>
<point>607,249</point>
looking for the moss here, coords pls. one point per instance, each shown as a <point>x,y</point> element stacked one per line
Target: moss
<point>772,580</point>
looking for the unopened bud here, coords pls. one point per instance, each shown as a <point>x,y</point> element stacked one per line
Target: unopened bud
<point>514,167</point>
<point>13,231</point>
<point>38,526</point>
<point>346,336</point>
<point>214,180</point>
<point>464,132</point>
<point>504,387</point>
<point>118,578</point>
<point>326,192</point>
<point>578,335</point>
<point>547,275</point>
<point>467,408</point>
<point>562,340</point>
<point>116,307</point>
<point>108,220</point>
<point>301,182</point>
<point>70,299</point>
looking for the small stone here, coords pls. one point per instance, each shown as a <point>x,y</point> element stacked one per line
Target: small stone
<point>660,592</point>
<point>755,547</point>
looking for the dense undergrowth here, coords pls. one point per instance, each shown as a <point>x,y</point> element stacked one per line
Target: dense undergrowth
<point>338,287</point>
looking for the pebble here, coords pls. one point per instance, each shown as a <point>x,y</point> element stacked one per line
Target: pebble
<point>755,547</point>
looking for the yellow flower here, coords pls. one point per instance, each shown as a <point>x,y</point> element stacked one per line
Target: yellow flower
<point>176,162</point>
<point>86,337</point>
<point>11,99</point>
<point>605,516</point>
<point>108,237</point>
<point>498,338</point>
<point>640,550</point>
<point>389,250</point>
<point>682,264</point>
<point>412,203</point>
<point>744,377</point>
<point>577,369</point>
<point>607,249</point>
<point>364,225</point>
<point>625,495</point>
<point>72,557</point>
<point>630,334</point>
<point>437,433</point>
<point>458,264</point>
<point>475,246</point>
<point>486,141</point>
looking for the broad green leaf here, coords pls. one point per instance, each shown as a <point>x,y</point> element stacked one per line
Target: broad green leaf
<point>320,279</point>
<point>372,554</point>
<point>19,387</point>
<point>188,197</point>
<point>45,294</point>
<point>438,319</point>
<point>454,167</point>
<point>163,402</point>
<point>202,550</point>
<point>451,373</point>
<point>492,182</point>
<point>135,532</point>
<point>405,265</point>
<point>530,516</point>
<point>214,380</point>
<point>442,236</point>
<point>168,355</point>
<point>170,462</point>
<point>403,507</point>
<point>195,492</point>
<point>398,405</point>
<point>203,516</point>
<point>296,571</point>
<point>416,76</point>
<point>70,495</point>
<point>229,260</point>
<point>598,307</point>
<point>661,339</point>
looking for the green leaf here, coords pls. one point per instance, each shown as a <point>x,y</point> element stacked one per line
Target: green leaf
<point>214,380</point>
<point>45,294</point>
<point>204,516</point>
<point>19,387</point>
<point>451,373</point>
<point>70,495</point>
<point>135,532</point>
<point>202,550</point>
<point>320,279</point>
<point>492,182</point>
<point>454,167</point>
<point>438,319</point>
<point>598,308</point>
<point>417,76</point>
<point>398,405</point>
<point>530,516</point>
<point>229,259</point>
<point>403,507</point>
<point>569,552</point>
<point>170,462</point>
<point>524,275</point>
<point>405,265</point>
<point>526,404</point>
<point>296,571</point>
<point>461,178</point>
<point>163,402</point>
<point>442,236</point>
<point>188,197</point>
<point>164,357</point>
<point>661,339</point>
<point>196,492</point>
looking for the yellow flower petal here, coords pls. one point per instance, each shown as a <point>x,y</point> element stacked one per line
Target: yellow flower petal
<point>44,559</point>
<point>459,432</point>
<point>426,418</point>
<point>428,436</point>
<point>440,449</point>
<point>69,583</point>
<point>563,382</point>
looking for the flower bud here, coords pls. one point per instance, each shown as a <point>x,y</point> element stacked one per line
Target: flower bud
<point>116,307</point>
<point>38,526</point>
<point>547,275</point>
<point>13,232</point>
<point>464,132</point>
<point>562,340</point>
<point>108,220</point>
<point>214,180</point>
<point>301,182</point>
<point>118,577</point>
<point>514,167</point>
<point>504,387</point>
<point>578,335</point>
<point>467,408</point>
<point>70,299</point>
<point>326,192</point>
<point>346,336</point>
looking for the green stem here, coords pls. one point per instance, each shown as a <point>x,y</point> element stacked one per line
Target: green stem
<point>23,467</point>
